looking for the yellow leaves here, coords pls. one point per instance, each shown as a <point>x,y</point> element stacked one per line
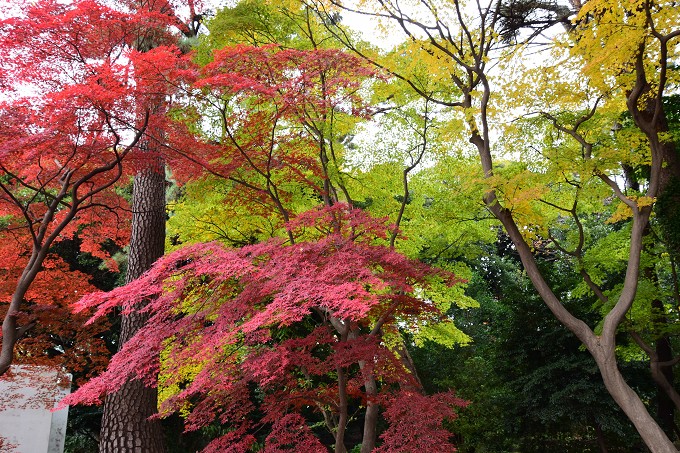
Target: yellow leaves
<point>519,190</point>
<point>421,62</point>
<point>167,377</point>
<point>611,34</point>
<point>623,211</point>
<point>666,16</point>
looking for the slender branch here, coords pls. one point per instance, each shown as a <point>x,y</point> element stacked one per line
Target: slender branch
<point>422,147</point>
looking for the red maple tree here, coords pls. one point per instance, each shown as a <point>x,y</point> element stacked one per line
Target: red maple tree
<point>267,118</point>
<point>76,104</point>
<point>284,328</point>
<point>308,325</point>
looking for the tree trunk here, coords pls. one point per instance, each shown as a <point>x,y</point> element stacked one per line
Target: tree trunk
<point>665,408</point>
<point>126,426</point>
<point>370,433</point>
<point>663,375</point>
<point>654,437</point>
<point>601,441</point>
<point>342,409</point>
<point>371,418</point>
<point>601,347</point>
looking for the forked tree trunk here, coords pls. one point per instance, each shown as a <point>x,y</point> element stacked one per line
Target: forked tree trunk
<point>602,347</point>
<point>126,426</point>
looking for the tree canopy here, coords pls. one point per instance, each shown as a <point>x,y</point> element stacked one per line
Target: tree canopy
<point>369,248</point>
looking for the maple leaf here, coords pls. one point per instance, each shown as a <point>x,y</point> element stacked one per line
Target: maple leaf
<point>416,422</point>
<point>274,315</point>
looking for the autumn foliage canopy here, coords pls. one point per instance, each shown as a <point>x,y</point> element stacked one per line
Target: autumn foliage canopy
<point>272,334</point>
<point>75,113</point>
<point>290,319</point>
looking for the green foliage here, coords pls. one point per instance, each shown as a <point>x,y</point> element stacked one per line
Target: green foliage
<point>668,216</point>
<point>529,382</point>
<point>287,23</point>
<point>211,209</point>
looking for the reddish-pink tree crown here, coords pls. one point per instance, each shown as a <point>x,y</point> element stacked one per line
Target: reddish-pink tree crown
<point>220,312</point>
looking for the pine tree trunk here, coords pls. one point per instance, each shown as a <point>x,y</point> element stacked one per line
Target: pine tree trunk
<point>126,426</point>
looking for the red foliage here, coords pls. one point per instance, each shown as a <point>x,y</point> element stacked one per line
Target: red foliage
<point>415,422</point>
<point>75,106</point>
<point>237,441</point>
<point>290,433</point>
<point>78,102</point>
<point>274,315</point>
<point>274,105</point>
<point>58,337</point>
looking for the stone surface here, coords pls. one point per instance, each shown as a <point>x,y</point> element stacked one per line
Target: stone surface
<point>27,396</point>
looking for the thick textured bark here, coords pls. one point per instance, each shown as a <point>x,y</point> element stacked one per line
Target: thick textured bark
<point>126,426</point>
<point>127,412</point>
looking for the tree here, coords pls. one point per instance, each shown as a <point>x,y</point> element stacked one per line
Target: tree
<point>298,96</point>
<point>89,84</point>
<point>219,325</point>
<point>458,46</point>
<point>69,121</point>
<point>127,421</point>
<point>519,351</point>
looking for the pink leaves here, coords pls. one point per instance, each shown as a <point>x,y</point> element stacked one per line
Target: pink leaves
<point>340,219</point>
<point>282,319</point>
<point>291,434</point>
<point>237,441</point>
